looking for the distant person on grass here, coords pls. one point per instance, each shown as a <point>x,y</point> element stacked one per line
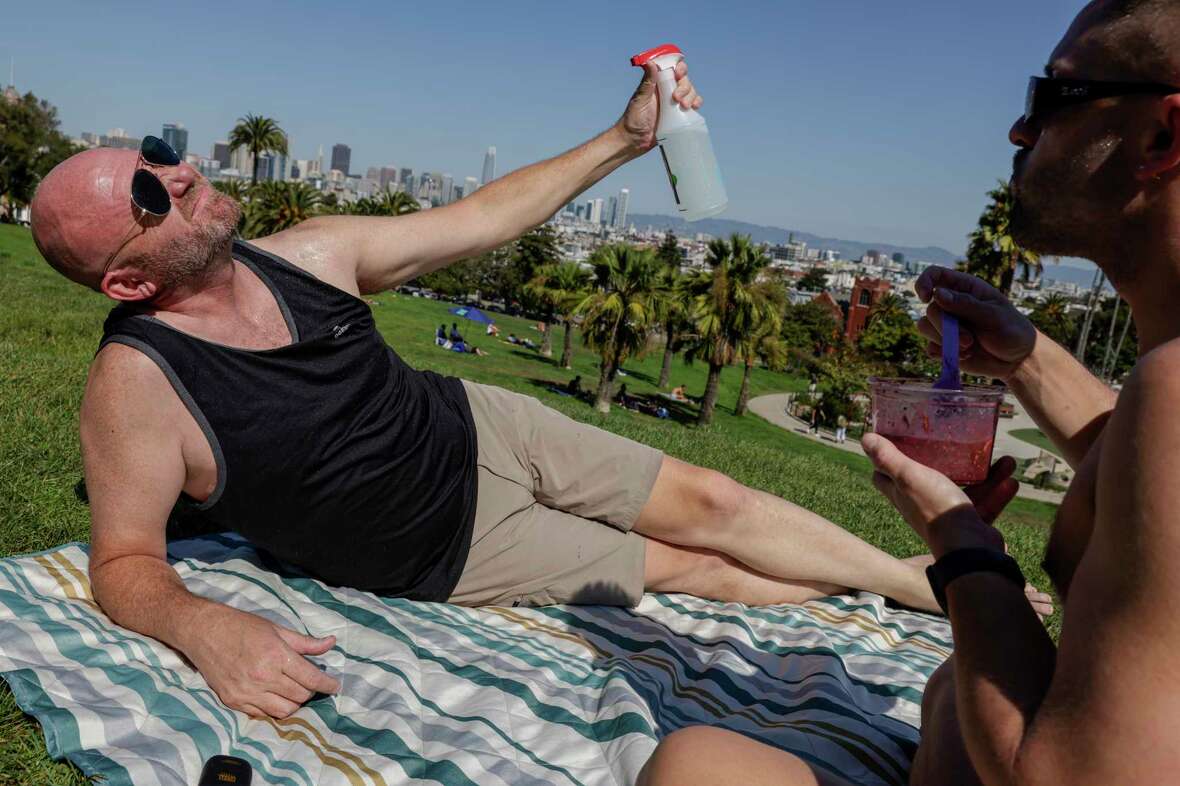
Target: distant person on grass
<point>248,381</point>
<point>1097,175</point>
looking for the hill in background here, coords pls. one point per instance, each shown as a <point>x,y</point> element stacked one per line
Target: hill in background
<point>849,249</point>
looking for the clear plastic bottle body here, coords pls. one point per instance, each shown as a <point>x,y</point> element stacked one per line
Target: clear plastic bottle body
<point>692,171</point>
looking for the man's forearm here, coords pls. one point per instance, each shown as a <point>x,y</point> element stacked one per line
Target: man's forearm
<point>1004,663</point>
<point>527,197</point>
<point>145,595</point>
<point>1067,402</point>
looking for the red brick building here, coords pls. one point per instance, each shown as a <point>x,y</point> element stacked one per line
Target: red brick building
<point>826,300</point>
<point>865,294</point>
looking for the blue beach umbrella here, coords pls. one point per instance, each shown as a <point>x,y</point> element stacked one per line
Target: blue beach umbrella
<point>473,314</point>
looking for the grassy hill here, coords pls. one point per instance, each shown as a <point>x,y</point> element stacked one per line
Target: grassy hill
<point>49,329</point>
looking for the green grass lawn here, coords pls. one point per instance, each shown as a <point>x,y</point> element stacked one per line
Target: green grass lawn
<point>1034,436</point>
<point>49,329</point>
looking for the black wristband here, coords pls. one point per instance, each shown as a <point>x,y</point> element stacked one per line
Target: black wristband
<point>960,562</point>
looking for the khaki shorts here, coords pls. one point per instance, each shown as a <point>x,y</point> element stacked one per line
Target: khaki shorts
<point>555,506</point>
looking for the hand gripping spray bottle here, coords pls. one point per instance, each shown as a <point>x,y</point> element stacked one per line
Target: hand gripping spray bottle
<point>684,143</point>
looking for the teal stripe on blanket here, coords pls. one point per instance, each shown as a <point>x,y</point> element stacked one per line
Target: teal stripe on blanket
<point>562,695</point>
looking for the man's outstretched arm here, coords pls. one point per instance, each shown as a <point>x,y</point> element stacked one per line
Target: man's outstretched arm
<point>370,254</point>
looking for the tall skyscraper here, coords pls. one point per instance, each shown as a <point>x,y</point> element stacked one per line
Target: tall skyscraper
<point>596,206</point>
<point>176,135</point>
<point>221,153</point>
<point>242,160</point>
<point>341,157</point>
<point>448,183</point>
<point>470,184</point>
<point>589,210</point>
<point>387,177</point>
<point>404,176</point>
<point>621,210</point>
<point>489,166</point>
<point>611,205</point>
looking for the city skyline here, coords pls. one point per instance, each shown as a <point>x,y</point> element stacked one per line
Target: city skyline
<point>847,120</point>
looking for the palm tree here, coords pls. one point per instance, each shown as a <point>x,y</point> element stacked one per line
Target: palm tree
<point>258,135</point>
<point>561,288</point>
<point>766,347</point>
<point>387,203</point>
<point>993,254</point>
<point>1052,317</point>
<point>727,305</point>
<point>236,189</point>
<point>277,206</point>
<point>618,313</point>
<point>890,307</point>
<point>671,307</point>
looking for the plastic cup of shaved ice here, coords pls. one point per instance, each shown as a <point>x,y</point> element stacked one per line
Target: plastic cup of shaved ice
<point>952,431</point>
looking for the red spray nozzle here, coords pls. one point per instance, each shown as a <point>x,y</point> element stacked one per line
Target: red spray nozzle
<point>643,58</point>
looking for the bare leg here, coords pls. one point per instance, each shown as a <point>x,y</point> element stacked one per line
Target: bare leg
<point>713,576</point>
<point>700,508</point>
<point>705,755</point>
<point>942,757</point>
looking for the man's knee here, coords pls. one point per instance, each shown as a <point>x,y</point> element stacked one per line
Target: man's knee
<point>677,759</point>
<point>719,497</point>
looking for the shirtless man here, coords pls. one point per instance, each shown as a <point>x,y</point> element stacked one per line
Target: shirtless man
<point>1097,176</point>
<point>249,381</point>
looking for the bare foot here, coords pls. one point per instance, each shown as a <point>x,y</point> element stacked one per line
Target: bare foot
<point>1042,603</point>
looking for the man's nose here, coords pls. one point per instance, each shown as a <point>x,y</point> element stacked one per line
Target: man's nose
<point>1024,134</point>
<point>178,179</point>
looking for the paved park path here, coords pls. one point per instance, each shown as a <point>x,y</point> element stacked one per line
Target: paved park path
<point>774,409</point>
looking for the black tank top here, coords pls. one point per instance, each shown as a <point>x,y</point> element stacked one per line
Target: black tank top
<point>332,454</point>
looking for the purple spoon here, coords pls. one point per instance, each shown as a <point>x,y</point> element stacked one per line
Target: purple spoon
<point>950,379</point>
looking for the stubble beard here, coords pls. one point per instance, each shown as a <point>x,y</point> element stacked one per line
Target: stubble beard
<point>185,261</point>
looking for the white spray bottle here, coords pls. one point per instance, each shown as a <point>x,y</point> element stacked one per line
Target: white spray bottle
<point>684,143</point>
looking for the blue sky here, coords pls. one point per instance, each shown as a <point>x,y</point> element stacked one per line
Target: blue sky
<point>864,120</point>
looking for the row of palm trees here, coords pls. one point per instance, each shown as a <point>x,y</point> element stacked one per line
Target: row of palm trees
<point>270,207</point>
<point>720,315</point>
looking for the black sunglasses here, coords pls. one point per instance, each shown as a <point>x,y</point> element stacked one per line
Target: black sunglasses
<point>1046,94</point>
<point>147,192</point>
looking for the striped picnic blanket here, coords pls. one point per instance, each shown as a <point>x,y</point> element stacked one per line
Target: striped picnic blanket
<point>434,692</point>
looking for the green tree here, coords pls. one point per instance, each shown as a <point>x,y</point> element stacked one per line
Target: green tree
<point>728,304</point>
<point>843,379</point>
<point>814,280</point>
<point>617,314</point>
<point>258,135</point>
<point>993,254</point>
<point>531,252</point>
<point>561,288</point>
<point>386,203</point>
<point>809,330</point>
<point>276,206</point>
<point>1052,317</point>
<point>672,308</point>
<point>30,146</point>
<point>890,335</point>
<point>1127,350</point>
<point>766,347</point>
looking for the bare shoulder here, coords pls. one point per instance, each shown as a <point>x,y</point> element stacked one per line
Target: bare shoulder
<point>122,376</point>
<point>322,246</point>
<point>128,405</point>
<point>1140,461</point>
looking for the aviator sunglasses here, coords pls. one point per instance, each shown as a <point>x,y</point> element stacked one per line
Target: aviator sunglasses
<point>1046,94</point>
<point>147,192</point>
